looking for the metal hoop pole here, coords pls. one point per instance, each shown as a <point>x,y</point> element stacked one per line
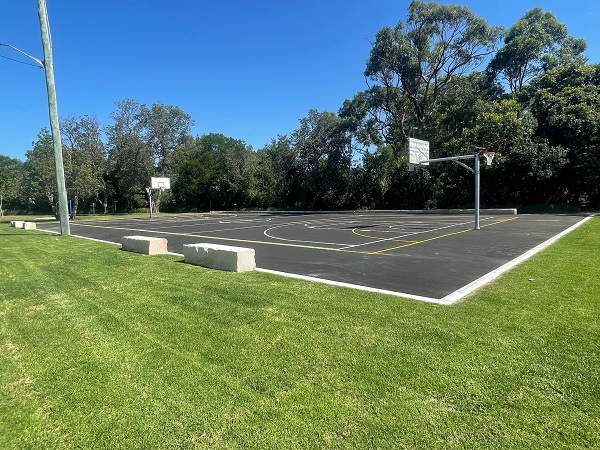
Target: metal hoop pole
<point>477,191</point>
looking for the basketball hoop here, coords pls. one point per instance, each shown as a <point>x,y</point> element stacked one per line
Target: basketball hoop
<point>489,156</point>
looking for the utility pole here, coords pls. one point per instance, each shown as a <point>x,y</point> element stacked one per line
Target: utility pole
<point>63,209</point>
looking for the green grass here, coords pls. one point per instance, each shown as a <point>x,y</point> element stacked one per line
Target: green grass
<point>104,349</point>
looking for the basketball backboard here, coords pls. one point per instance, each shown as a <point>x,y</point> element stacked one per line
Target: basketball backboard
<point>418,151</point>
<point>160,183</point>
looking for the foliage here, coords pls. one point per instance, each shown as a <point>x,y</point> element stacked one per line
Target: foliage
<point>537,42</point>
<point>566,104</point>
<point>165,128</point>
<point>324,155</point>
<point>84,160</point>
<point>424,81</point>
<point>214,171</point>
<point>416,62</point>
<point>40,175</point>
<point>10,180</point>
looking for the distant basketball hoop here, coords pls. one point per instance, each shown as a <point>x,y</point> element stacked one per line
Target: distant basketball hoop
<point>160,183</point>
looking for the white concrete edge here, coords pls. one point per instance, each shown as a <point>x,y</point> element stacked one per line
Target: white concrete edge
<point>81,237</point>
<point>474,285</point>
<point>458,211</point>
<point>352,286</point>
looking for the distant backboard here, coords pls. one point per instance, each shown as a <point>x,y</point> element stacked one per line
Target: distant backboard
<point>418,151</point>
<point>160,183</point>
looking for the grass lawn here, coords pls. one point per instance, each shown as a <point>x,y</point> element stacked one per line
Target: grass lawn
<point>104,349</point>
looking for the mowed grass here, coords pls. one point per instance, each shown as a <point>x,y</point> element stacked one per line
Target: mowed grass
<point>104,349</point>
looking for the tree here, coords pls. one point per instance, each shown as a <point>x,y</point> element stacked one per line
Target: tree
<point>165,128</point>
<point>324,152</point>
<point>141,144</point>
<point>381,167</point>
<point>415,63</point>
<point>85,161</point>
<point>278,169</point>
<point>10,175</point>
<point>214,171</point>
<point>537,42</point>
<point>131,160</point>
<point>566,104</point>
<point>39,172</point>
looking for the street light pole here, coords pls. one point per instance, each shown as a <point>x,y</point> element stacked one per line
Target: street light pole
<point>54,123</point>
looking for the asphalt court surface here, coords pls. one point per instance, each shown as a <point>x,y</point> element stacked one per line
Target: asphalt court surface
<point>421,255</point>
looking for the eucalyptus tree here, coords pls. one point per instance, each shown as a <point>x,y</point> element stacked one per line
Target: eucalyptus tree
<point>415,64</point>
<point>535,43</point>
<point>85,161</point>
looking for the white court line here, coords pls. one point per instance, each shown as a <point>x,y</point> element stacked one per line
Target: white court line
<point>405,235</point>
<point>353,286</point>
<point>295,240</point>
<point>345,246</point>
<point>466,290</point>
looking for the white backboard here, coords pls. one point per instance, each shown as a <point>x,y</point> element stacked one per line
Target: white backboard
<point>418,151</point>
<point>160,183</point>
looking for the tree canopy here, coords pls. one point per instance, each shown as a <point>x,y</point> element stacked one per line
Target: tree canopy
<point>442,74</point>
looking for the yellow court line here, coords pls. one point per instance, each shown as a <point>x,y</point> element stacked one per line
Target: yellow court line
<point>439,237</point>
<point>380,238</point>
<point>280,244</point>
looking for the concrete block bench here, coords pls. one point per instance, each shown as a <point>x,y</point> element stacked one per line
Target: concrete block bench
<point>144,244</point>
<point>29,226</point>
<point>16,223</point>
<point>221,257</point>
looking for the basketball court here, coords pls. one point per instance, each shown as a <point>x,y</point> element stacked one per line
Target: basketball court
<point>438,258</point>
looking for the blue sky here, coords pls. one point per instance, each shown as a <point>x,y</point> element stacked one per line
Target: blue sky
<point>249,70</point>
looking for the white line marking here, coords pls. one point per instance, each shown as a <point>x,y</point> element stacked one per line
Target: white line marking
<point>465,290</point>
<point>353,286</point>
<point>404,235</point>
<point>296,240</point>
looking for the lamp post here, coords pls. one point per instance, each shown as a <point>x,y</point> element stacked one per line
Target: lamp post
<point>53,113</point>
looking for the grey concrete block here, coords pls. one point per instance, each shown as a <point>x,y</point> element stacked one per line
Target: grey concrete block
<point>144,244</point>
<point>221,257</point>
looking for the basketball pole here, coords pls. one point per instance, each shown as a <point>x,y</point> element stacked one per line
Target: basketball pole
<point>418,153</point>
<point>477,184</point>
<point>476,170</point>
<point>149,190</point>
